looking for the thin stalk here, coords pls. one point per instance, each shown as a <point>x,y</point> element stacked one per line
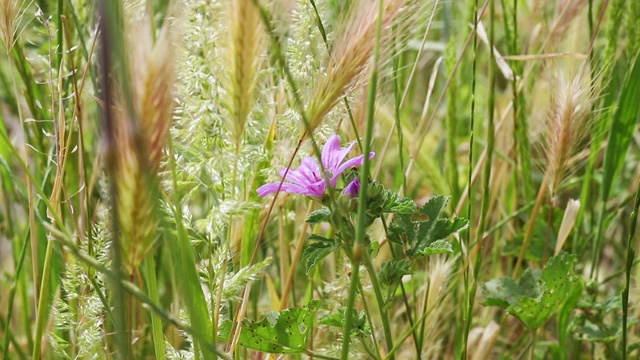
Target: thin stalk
<point>4,324</point>
<point>468,309</point>
<point>151,282</point>
<point>348,318</point>
<point>12,292</point>
<point>359,247</point>
<point>33,236</point>
<point>542,192</point>
<point>630,255</point>
<point>417,341</point>
<point>375,283</point>
<point>486,191</point>
<point>41,317</point>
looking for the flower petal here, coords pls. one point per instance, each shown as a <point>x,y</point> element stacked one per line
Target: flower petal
<point>330,147</point>
<point>356,161</point>
<point>353,188</point>
<point>271,188</point>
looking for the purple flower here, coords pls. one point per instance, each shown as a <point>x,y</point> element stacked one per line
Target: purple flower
<point>353,188</point>
<point>308,179</point>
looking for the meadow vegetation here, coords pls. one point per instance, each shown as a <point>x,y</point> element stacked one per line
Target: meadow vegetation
<point>319,179</point>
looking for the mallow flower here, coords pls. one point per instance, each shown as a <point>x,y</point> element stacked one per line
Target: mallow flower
<point>308,179</point>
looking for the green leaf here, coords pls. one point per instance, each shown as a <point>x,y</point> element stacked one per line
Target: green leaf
<point>425,231</point>
<point>359,325</point>
<point>395,204</point>
<point>283,332</point>
<point>392,271</point>
<point>436,247</point>
<point>591,332</point>
<point>538,294</point>
<point>505,291</point>
<point>318,216</point>
<point>625,119</point>
<point>317,250</point>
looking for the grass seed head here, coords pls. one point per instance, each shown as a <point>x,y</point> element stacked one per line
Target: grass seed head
<point>352,52</point>
<point>567,125</point>
<point>8,21</point>
<point>244,52</point>
<point>142,139</point>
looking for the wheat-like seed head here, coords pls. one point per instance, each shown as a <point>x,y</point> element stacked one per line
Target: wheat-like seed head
<point>153,77</point>
<point>352,54</point>
<point>142,139</point>
<point>566,127</point>
<point>245,48</point>
<point>8,21</point>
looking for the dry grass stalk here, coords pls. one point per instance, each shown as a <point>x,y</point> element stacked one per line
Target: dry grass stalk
<point>568,221</point>
<point>245,48</point>
<point>141,140</point>
<point>352,53</point>
<point>566,127</point>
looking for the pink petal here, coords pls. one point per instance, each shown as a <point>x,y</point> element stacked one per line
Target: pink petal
<point>356,161</point>
<point>270,188</point>
<point>330,147</point>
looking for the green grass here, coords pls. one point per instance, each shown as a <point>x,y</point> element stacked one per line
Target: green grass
<point>131,226</point>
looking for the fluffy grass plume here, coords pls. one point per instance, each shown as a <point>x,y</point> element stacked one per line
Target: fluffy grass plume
<point>567,126</point>
<point>8,21</point>
<point>352,53</point>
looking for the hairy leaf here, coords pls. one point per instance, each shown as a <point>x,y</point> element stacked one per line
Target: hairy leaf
<point>425,231</point>
<point>318,216</point>
<point>317,250</point>
<point>392,271</point>
<point>283,332</point>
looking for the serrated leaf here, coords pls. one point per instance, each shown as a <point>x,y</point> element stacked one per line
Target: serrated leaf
<point>424,231</point>
<point>436,247</point>
<point>359,325</point>
<point>318,216</point>
<point>505,291</point>
<point>392,271</point>
<point>430,212</point>
<point>537,295</point>
<point>283,332</point>
<point>317,250</point>
<point>395,204</point>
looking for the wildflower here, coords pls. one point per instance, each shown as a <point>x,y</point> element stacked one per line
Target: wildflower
<point>353,188</point>
<point>308,178</point>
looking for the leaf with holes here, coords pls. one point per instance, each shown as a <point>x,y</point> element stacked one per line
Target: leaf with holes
<point>283,332</point>
<point>425,231</point>
<point>538,294</point>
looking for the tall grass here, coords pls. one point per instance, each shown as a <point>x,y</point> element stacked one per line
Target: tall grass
<point>135,134</point>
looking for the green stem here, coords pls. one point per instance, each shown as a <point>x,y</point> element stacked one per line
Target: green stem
<point>41,318</point>
<point>381,303</point>
<point>359,245</point>
<point>348,317</point>
<point>151,282</point>
<point>629,265</point>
